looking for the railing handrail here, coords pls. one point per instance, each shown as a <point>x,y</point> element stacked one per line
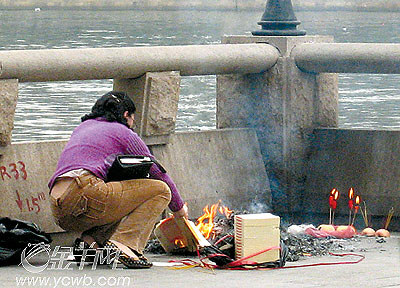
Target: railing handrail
<point>130,62</point>
<point>374,58</point>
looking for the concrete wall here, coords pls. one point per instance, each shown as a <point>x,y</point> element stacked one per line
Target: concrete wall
<point>284,105</point>
<point>221,164</point>
<point>367,160</point>
<point>206,166</point>
<point>25,169</point>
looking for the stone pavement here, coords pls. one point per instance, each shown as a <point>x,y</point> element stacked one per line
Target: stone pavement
<point>380,268</point>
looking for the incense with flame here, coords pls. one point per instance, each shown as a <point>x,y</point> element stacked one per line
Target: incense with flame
<point>351,203</point>
<point>357,202</point>
<point>333,197</point>
<point>342,231</point>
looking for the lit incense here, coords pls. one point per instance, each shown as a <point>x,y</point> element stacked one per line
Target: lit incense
<point>351,203</point>
<point>356,207</point>
<point>333,204</point>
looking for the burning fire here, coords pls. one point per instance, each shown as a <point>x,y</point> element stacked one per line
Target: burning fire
<point>225,211</point>
<point>336,195</point>
<point>358,200</point>
<point>333,197</point>
<point>351,202</point>
<point>206,221</point>
<point>179,243</point>
<point>351,193</point>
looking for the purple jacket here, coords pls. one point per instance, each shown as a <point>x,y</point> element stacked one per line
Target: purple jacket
<point>94,145</point>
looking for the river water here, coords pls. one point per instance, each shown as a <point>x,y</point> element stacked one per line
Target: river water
<point>49,111</point>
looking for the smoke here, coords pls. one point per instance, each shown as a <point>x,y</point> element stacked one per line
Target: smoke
<point>256,208</point>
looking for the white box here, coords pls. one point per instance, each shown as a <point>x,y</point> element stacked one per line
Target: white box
<point>257,232</point>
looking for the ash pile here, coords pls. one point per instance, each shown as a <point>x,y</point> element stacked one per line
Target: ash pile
<point>301,245</point>
<point>298,245</point>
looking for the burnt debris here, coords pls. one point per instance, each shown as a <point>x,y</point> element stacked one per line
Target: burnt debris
<point>297,246</point>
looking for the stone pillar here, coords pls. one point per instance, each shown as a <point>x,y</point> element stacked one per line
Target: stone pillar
<point>8,103</point>
<point>156,96</point>
<point>283,104</point>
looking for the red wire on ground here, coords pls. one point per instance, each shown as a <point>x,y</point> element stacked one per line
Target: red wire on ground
<point>241,263</point>
<point>362,257</point>
<point>187,262</point>
<point>222,239</point>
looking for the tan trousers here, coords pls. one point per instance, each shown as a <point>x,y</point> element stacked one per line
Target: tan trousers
<point>124,211</point>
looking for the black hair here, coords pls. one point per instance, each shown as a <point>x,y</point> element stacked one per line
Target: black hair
<point>112,107</point>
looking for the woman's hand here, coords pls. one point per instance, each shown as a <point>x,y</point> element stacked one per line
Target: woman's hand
<point>183,212</point>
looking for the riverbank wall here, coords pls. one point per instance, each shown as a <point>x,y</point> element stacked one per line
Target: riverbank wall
<point>282,90</point>
<point>352,5</point>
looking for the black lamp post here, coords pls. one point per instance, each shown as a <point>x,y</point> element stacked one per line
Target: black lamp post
<point>279,20</point>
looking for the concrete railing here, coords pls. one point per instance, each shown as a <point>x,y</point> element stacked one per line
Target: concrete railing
<point>124,63</point>
<point>378,58</point>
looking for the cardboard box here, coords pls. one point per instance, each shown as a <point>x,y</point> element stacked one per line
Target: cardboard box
<point>179,233</point>
<point>257,232</point>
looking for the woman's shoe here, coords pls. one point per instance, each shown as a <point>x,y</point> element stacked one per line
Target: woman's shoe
<point>82,251</point>
<point>130,262</point>
<point>78,249</point>
<point>139,255</point>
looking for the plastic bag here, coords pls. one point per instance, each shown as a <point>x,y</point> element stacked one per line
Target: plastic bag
<point>15,235</point>
<point>347,233</point>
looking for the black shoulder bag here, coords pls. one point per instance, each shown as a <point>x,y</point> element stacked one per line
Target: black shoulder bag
<point>127,167</point>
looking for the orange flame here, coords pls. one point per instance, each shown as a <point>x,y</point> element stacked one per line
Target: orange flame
<point>209,215</point>
<point>179,243</point>
<point>351,193</point>
<point>225,211</point>
<point>358,200</point>
<point>206,221</point>
<point>336,195</point>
